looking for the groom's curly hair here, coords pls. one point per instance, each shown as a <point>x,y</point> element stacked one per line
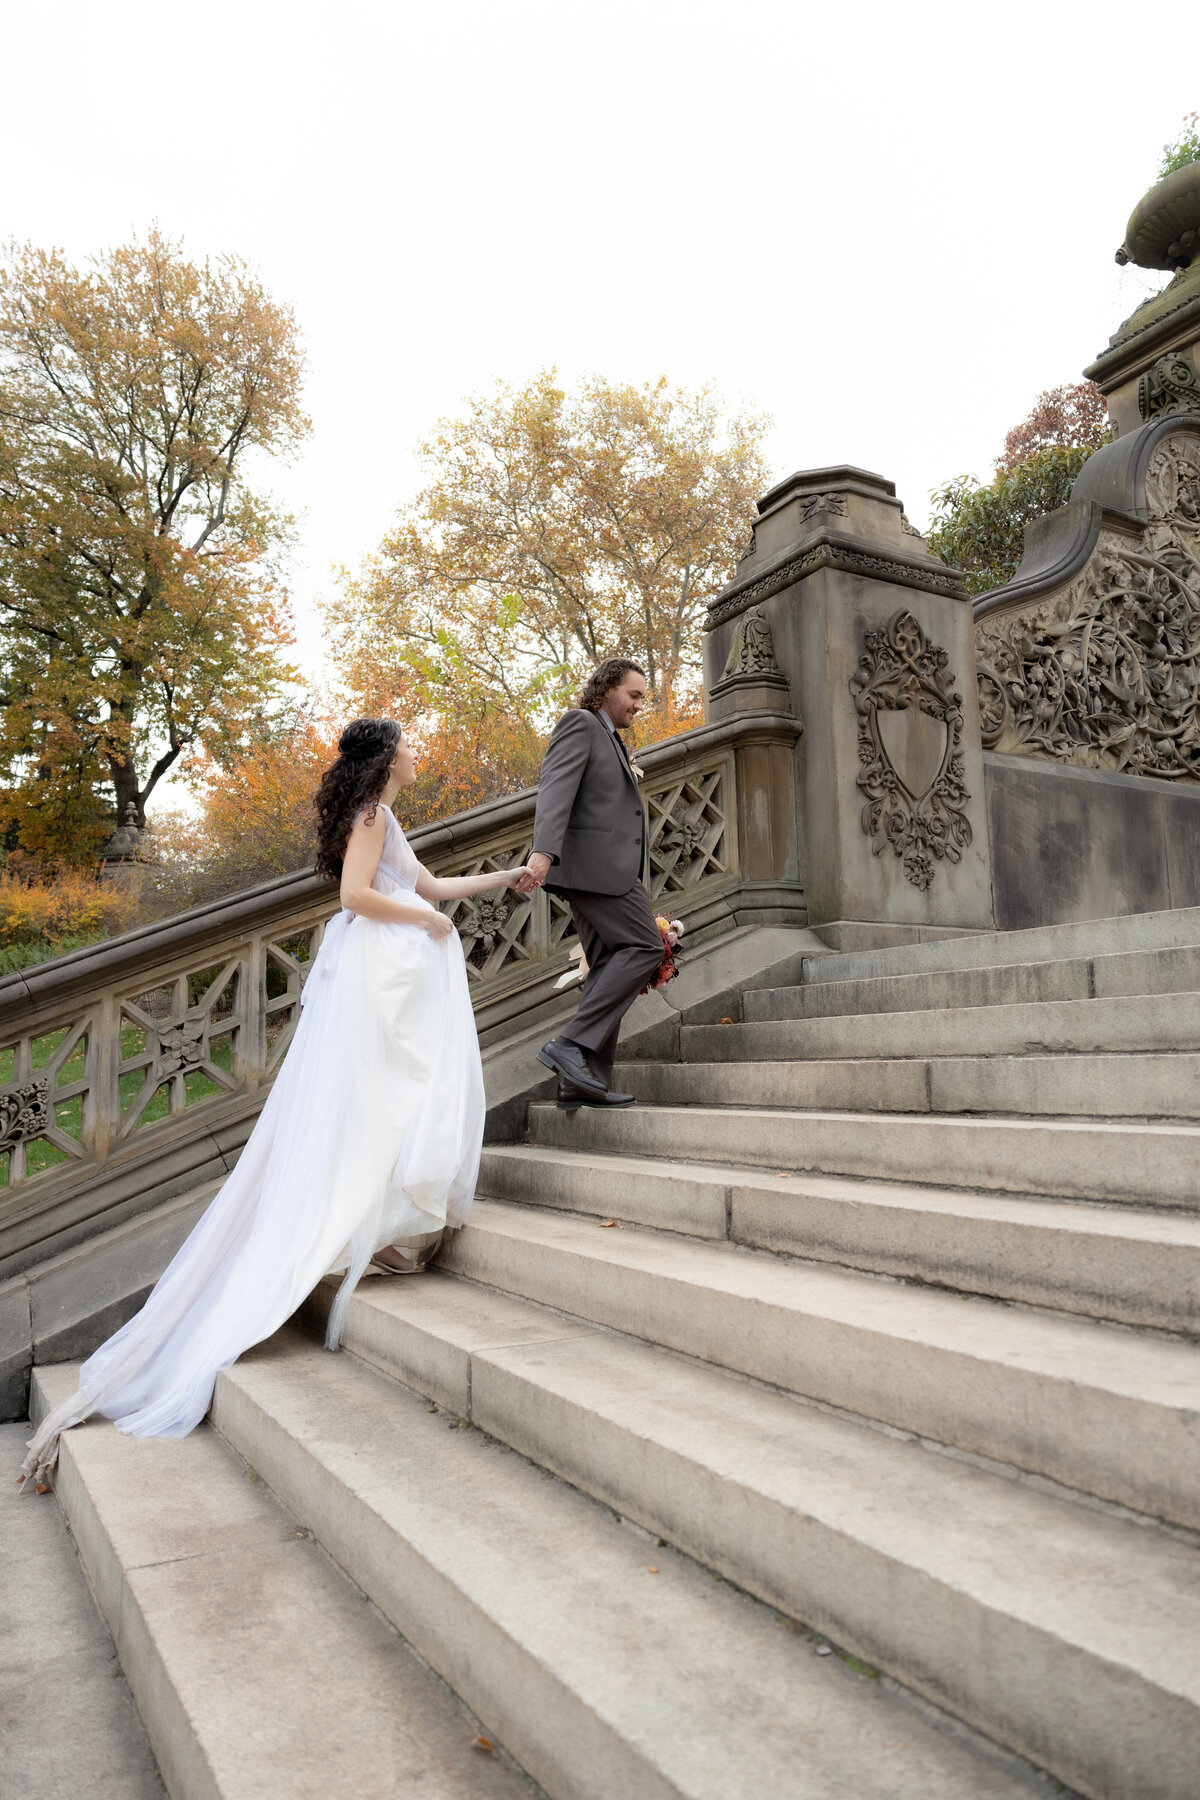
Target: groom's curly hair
<point>352,785</point>
<point>605,676</point>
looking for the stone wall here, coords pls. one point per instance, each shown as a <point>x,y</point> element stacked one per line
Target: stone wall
<point>1071,843</point>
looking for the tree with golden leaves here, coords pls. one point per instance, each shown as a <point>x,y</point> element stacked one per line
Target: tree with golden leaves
<point>552,528</point>
<point>142,610</point>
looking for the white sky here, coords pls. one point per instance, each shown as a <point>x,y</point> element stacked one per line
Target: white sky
<point>888,226</point>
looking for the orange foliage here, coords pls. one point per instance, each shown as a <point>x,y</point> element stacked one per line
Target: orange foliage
<point>38,912</point>
<point>666,719</point>
<point>256,820</point>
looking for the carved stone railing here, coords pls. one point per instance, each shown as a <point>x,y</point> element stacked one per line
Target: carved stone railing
<point>135,1069</point>
<point>1091,654</point>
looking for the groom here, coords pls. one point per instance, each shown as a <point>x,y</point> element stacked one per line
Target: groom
<point>590,845</point>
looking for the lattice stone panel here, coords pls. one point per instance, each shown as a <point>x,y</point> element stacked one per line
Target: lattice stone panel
<point>691,831</point>
<point>503,931</point>
<point>178,1044</point>
<point>288,960</point>
<point>46,1080</point>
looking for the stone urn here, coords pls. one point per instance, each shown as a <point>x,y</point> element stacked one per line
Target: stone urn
<point>1151,367</point>
<point>1164,227</point>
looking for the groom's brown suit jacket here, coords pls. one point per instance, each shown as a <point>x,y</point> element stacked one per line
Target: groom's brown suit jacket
<point>590,820</point>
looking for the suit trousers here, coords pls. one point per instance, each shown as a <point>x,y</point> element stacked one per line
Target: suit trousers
<point>624,949</point>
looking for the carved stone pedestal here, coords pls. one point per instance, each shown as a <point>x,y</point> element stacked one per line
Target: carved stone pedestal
<point>838,598</point>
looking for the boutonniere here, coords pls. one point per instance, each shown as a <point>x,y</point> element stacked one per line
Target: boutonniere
<point>638,774</point>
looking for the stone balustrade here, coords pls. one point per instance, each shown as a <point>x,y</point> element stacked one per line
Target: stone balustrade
<point>135,1069</point>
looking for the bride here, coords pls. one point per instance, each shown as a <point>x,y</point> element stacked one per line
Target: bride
<point>367,1149</point>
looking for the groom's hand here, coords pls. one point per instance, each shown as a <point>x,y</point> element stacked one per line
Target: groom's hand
<point>536,870</point>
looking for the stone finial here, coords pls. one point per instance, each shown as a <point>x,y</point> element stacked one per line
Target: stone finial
<point>125,844</point>
<point>752,676</point>
<point>752,648</point>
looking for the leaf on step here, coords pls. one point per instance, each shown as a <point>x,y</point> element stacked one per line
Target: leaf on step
<point>724,1021</point>
<point>482,1743</point>
<point>42,1487</point>
<point>605,1223</point>
<point>783,1171</point>
<point>653,1569</point>
<point>859,1666</point>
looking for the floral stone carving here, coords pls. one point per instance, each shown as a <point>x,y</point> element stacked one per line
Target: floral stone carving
<point>24,1113</point>
<point>917,809</point>
<point>1106,673</point>
<point>1171,386</point>
<point>483,920</point>
<point>181,1045</point>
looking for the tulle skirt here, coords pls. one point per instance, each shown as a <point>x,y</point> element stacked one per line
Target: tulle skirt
<point>370,1135</point>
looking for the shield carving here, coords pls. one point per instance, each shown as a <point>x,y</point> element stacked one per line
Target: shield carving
<point>910,749</point>
<point>915,743</point>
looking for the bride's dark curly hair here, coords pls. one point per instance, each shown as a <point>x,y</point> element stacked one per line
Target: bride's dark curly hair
<point>366,751</point>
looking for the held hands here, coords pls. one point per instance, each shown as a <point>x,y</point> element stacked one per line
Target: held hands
<point>531,877</point>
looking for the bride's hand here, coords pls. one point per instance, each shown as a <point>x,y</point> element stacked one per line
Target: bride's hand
<point>438,926</point>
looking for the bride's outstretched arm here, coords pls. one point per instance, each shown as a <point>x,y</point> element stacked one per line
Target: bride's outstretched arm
<point>461,887</point>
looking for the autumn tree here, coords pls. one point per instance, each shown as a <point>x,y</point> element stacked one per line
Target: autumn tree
<point>552,528</point>
<point>142,610</point>
<point>255,819</point>
<point>980,528</point>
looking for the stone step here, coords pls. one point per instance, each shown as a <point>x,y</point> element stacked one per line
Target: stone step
<point>68,1727</point>
<point>1115,1263</point>
<point>257,1669</point>
<point>1103,1087</point>
<point>1124,1164</point>
<point>1136,1025</point>
<point>1050,1626</point>
<point>1178,927</point>
<point>1006,984</point>
<point>607,1664</point>
<point>1095,1407</point>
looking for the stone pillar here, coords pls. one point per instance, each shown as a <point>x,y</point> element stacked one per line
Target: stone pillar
<point>837,597</point>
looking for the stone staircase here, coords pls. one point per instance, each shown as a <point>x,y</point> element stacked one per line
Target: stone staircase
<point>827,1425</point>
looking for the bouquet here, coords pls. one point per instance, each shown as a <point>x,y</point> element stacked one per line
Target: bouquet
<point>670,930</point>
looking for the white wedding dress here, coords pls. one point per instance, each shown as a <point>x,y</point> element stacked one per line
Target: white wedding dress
<point>370,1135</point>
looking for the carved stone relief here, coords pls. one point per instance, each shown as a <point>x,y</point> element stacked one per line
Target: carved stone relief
<point>181,1045</point>
<point>1106,674</point>
<point>481,923</point>
<point>834,556</point>
<point>752,648</point>
<point>822,506</point>
<point>24,1113</point>
<point>1171,386</point>
<point>912,767</point>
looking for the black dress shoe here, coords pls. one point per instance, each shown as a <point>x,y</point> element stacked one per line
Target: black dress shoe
<point>570,1097</point>
<point>570,1064</point>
